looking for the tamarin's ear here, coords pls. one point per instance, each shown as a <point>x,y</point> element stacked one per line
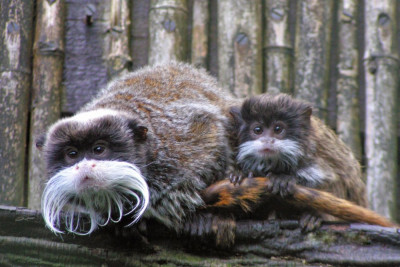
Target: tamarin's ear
<point>236,114</point>
<point>139,132</point>
<point>40,140</point>
<point>307,111</point>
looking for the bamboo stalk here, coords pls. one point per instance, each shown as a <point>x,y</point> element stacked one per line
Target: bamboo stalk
<point>314,21</point>
<point>348,115</point>
<point>381,80</point>
<point>117,38</point>
<point>200,33</point>
<point>239,46</point>
<point>168,22</point>
<point>278,48</point>
<point>15,72</point>
<point>46,87</point>
<point>139,33</point>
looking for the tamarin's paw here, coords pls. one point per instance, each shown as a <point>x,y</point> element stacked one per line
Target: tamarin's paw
<point>237,177</point>
<point>202,226</point>
<point>310,222</point>
<point>281,184</point>
<point>199,225</point>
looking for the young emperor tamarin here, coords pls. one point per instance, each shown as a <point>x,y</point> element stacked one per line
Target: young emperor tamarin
<point>280,138</point>
<point>146,145</point>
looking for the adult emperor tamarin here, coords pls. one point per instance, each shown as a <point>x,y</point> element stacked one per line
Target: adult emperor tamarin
<point>147,145</point>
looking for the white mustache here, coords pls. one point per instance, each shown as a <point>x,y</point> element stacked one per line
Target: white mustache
<point>114,188</point>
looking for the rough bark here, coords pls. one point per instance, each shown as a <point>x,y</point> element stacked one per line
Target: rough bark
<point>200,33</point>
<point>116,40</point>
<point>348,115</point>
<point>313,33</point>
<point>381,80</point>
<point>168,22</point>
<point>278,48</point>
<point>85,67</point>
<point>140,33</point>
<point>24,239</point>
<point>48,52</point>
<point>239,46</point>
<point>16,22</point>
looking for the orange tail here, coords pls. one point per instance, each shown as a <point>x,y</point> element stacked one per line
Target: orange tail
<point>251,191</point>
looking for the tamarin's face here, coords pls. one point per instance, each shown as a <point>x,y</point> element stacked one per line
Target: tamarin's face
<point>95,168</point>
<point>272,133</point>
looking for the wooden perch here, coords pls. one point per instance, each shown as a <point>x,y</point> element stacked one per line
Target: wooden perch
<point>254,189</point>
<point>25,241</point>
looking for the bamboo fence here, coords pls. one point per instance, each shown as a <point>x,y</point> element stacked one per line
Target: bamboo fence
<point>342,56</point>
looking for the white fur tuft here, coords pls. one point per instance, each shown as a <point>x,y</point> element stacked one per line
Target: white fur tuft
<point>114,188</point>
<point>252,158</point>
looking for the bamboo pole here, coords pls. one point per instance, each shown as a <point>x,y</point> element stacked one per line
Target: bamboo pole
<point>201,18</point>
<point>314,21</point>
<point>168,22</point>
<point>348,115</point>
<point>46,87</point>
<point>15,72</point>
<point>139,33</point>
<point>239,46</point>
<point>117,38</point>
<point>381,80</point>
<point>278,48</point>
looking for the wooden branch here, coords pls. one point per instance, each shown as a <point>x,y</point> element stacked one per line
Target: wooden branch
<point>24,239</point>
<point>216,196</point>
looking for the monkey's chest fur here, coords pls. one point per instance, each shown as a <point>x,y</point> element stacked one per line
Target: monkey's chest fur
<point>187,146</point>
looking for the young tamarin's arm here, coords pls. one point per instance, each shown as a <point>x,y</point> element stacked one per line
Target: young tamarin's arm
<point>253,191</point>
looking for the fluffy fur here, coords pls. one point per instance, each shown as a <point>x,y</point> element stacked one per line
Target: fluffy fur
<point>164,129</point>
<point>305,149</point>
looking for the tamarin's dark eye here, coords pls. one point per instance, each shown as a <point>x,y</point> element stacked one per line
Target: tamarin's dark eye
<point>98,149</point>
<point>72,153</point>
<point>258,130</point>
<point>278,129</point>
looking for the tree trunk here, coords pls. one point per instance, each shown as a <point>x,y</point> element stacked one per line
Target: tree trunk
<point>348,115</point>
<point>278,47</point>
<point>16,22</point>
<point>239,46</point>
<point>46,87</point>
<point>313,34</point>
<point>381,81</point>
<point>117,38</point>
<point>200,33</point>
<point>168,22</point>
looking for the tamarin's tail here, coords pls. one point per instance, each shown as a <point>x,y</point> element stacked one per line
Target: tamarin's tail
<point>252,191</point>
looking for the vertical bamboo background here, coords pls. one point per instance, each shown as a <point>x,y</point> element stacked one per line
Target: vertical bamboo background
<point>342,56</point>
